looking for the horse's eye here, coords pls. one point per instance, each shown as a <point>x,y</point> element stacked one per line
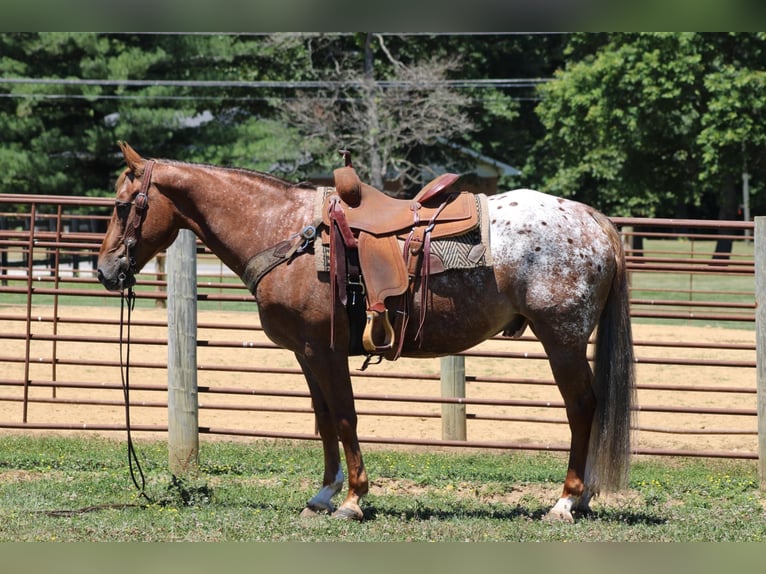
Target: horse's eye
<point>122,208</point>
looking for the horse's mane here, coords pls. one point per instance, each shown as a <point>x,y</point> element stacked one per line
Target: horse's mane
<point>244,171</point>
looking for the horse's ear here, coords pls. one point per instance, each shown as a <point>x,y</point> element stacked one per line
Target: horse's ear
<point>135,162</point>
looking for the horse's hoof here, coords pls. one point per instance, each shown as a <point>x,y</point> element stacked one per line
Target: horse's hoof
<point>309,513</point>
<point>555,515</point>
<point>349,512</point>
<point>320,507</point>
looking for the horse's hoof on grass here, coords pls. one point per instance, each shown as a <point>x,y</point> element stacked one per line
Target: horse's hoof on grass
<point>309,513</point>
<point>349,512</point>
<point>314,510</point>
<point>558,516</point>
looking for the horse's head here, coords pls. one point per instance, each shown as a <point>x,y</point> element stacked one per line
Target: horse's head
<point>142,224</point>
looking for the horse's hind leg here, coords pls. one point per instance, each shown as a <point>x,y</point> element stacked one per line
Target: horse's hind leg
<point>573,377</point>
<point>333,400</point>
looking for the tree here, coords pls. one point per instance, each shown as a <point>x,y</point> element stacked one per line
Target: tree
<point>70,96</point>
<point>654,124</point>
<point>223,98</point>
<point>732,136</point>
<point>380,108</point>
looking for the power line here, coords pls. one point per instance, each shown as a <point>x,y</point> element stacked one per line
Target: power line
<point>260,34</point>
<point>136,97</point>
<point>281,84</point>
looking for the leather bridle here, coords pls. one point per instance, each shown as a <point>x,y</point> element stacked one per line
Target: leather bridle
<point>133,229</point>
<point>130,239</point>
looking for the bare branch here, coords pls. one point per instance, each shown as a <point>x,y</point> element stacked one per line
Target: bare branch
<point>382,123</point>
<point>396,63</point>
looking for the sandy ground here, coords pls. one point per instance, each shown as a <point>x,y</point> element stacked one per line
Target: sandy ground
<point>222,409</point>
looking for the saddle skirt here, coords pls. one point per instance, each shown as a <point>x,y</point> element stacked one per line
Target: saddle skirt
<point>465,250</point>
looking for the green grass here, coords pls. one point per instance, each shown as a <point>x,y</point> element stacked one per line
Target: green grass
<point>255,492</point>
<point>101,298</point>
<point>713,286</point>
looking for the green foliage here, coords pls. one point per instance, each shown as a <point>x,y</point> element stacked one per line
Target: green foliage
<point>90,90</point>
<point>642,124</point>
<point>68,97</point>
<point>654,124</point>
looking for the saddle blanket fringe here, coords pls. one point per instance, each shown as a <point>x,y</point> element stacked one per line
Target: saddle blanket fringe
<point>457,252</point>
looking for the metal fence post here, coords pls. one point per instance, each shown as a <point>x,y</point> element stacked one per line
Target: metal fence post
<point>183,420</point>
<point>453,386</point>
<point>760,341</point>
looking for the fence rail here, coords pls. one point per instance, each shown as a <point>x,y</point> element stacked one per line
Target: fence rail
<point>694,324</point>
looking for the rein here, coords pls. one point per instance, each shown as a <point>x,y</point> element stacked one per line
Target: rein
<point>128,300</point>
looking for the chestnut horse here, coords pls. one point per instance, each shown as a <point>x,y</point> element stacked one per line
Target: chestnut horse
<point>557,266</point>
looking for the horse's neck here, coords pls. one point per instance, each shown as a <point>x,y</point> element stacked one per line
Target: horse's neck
<point>238,213</point>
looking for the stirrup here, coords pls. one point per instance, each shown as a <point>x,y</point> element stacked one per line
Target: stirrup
<point>374,318</point>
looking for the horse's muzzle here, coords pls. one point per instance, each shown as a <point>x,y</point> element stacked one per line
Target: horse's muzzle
<point>117,276</point>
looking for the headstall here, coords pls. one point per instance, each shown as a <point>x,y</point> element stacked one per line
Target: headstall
<point>140,203</point>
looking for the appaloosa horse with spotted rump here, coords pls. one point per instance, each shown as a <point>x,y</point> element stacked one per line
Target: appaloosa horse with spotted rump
<point>557,266</point>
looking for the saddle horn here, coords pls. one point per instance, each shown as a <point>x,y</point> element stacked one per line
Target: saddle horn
<point>346,157</point>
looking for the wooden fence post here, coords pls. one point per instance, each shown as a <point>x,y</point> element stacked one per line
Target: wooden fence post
<point>183,421</point>
<point>760,341</point>
<point>453,386</point>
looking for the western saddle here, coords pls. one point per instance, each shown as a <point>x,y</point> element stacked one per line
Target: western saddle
<point>365,231</point>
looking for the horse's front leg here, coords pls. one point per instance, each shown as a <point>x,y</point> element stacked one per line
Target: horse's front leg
<point>358,484</point>
<point>333,478</point>
<point>322,500</point>
<point>329,372</point>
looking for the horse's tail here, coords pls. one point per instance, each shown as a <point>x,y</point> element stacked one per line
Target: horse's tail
<point>614,380</point>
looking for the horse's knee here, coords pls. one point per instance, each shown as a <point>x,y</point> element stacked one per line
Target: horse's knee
<point>346,425</point>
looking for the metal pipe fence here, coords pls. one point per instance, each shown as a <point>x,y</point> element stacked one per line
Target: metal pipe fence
<point>693,311</point>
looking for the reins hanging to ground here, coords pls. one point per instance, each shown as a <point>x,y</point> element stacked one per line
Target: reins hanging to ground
<point>129,300</point>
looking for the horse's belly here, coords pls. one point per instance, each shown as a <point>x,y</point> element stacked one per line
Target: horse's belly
<point>464,308</point>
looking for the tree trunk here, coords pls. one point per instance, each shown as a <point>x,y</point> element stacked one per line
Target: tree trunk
<point>729,202</point>
<point>373,117</point>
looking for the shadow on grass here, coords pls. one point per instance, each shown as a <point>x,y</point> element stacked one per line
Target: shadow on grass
<point>623,516</point>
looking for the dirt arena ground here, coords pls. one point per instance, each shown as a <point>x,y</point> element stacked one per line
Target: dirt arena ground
<point>222,410</point>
